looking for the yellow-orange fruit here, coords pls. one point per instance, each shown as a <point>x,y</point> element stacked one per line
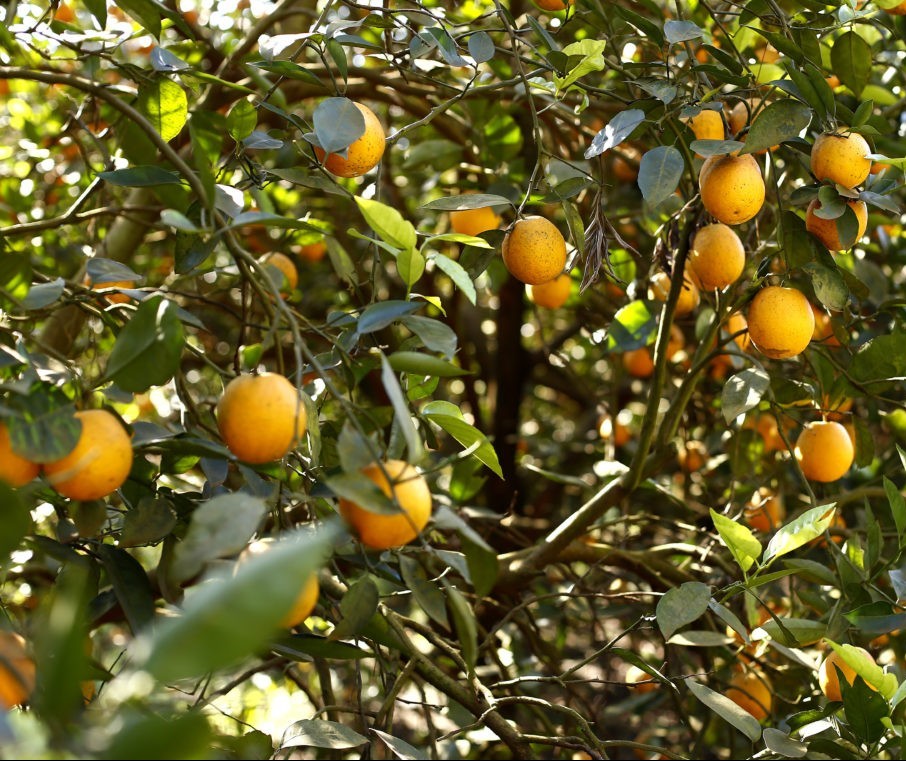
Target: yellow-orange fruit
<point>313,252</point>
<point>552,5</point>
<point>363,155</point>
<point>765,511</point>
<point>286,277</point>
<point>829,678</point>
<point>114,298</point>
<point>707,125</point>
<point>824,329</point>
<point>732,188</point>
<point>304,604</point>
<point>640,680</point>
<point>841,157</point>
<point>534,251</point>
<point>898,10</point>
<point>553,294</point>
<point>693,456</point>
<point>689,297</point>
<point>622,169</point>
<point>261,417</point>
<point>15,470</point>
<point>736,322</point>
<point>824,451</point>
<point>474,221</point>
<point>751,691</point>
<point>780,321</point>
<point>826,231</point>
<point>717,256</point>
<point>765,425</point>
<point>379,531</point>
<point>616,428</point>
<point>17,671</point>
<point>638,363</point>
<point>100,462</point>
<point>676,342</point>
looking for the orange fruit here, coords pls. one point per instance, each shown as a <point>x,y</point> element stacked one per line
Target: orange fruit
<point>64,13</point>
<point>676,342</point>
<point>767,53</point>
<point>622,169</point>
<point>898,10</point>
<point>14,470</point>
<point>841,157</point>
<point>17,671</point>
<point>638,363</point>
<point>282,271</point>
<point>304,604</point>
<point>640,680</point>
<point>363,155</point>
<point>474,221</point>
<point>765,425</point>
<point>751,691</point>
<point>403,483</point>
<point>879,166</point>
<point>717,257</point>
<point>689,297</point>
<point>616,428</point>
<point>313,252</point>
<point>261,417</point>
<point>113,298</point>
<point>736,322</point>
<point>824,451</point>
<point>765,511</point>
<point>534,251</point>
<point>829,678</point>
<point>100,462</point>
<point>826,231</point>
<point>780,321</point>
<point>693,456</point>
<point>552,5</point>
<point>707,125</point>
<point>833,81</point>
<point>732,188</point>
<point>824,329</point>
<point>741,112</point>
<point>553,294</point>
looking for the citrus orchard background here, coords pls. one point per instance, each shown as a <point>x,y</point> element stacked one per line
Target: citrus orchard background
<point>432,380</point>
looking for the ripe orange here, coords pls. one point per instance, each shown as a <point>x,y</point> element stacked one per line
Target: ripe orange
<point>676,342</point>
<point>829,678</point>
<point>64,13</point>
<point>622,169</point>
<point>765,425</point>
<point>100,462</point>
<point>693,456</point>
<point>261,417</point>
<point>641,681</point>
<point>282,271</point>
<point>553,294</point>
<point>534,251</point>
<point>824,329</point>
<point>638,363</point>
<point>304,604</point>
<point>736,322</point>
<point>14,470</point>
<point>826,231</point>
<point>689,297</point>
<point>751,691</point>
<point>113,298</point>
<point>474,221</point>
<point>707,125</point>
<point>732,188</point>
<point>313,252</point>
<point>616,428</point>
<point>17,671</point>
<point>765,511</point>
<point>824,451</point>
<point>780,321</point>
<point>841,157</point>
<point>717,256</point>
<point>363,155</point>
<point>898,10</point>
<point>738,116</point>
<point>552,5</point>
<point>381,532</point>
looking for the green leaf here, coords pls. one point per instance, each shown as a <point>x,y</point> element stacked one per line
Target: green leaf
<point>290,70</point>
<point>808,526</point>
<point>864,665</point>
<point>317,733</point>
<point>700,638</point>
<point>897,509</point>
<point>660,171</point>
<point>777,122</point>
<point>466,201</point>
<point>426,593</point>
<point>424,364</point>
<point>152,519</point>
<point>864,709</point>
<point>338,124</point>
<point>140,177</point>
<point>591,58</point>
<point>220,527</point>
<point>457,274</point>
<point>465,625</point>
<point>743,392</point>
<point>781,744</point>
<point>400,748</point>
<point>15,274</point>
<point>143,734</point>
<point>241,120</point>
<point>43,295</point>
<point>481,47</point>
<point>467,435</point>
<point>851,61</point>
<point>102,270</point>
<point>741,542</point>
<point>881,358</point>
<point>378,316</point>
<point>410,263</point>
<point>402,415</point>
<point>716,147</point>
<point>726,709</point>
<point>388,223</point>
<point>165,105</point>
<point>15,521</point>
<point>262,590</point>
<point>46,428</point>
<point>876,618</point>
<point>803,631</point>
<point>615,132</point>
<point>633,326</point>
<point>130,585</point>
<point>357,607</point>
<point>303,647</point>
<point>799,247</point>
<point>681,606</point>
<point>682,31</point>
<point>145,12</point>
<point>148,349</point>
<point>358,488</point>
<point>434,334</point>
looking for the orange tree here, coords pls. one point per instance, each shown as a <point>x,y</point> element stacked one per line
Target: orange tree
<point>440,380</point>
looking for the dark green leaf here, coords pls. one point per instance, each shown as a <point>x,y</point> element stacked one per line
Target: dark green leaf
<point>130,585</point>
<point>43,294</point>
<point>881,358</point>
<point>303,647</point>
<point>241,120</point>
<point>317,733</point>
<point>457,274</point>
<point>864,710</point>
<point>466,201</point>
<point>481,47</point>
<point>681,606</point>
<point>615,132</point>
<point>378,316</point>
<point>778,121</point>
<point>660,171</point>
<point>726,709</point>
<point>426,593</point>
<point>290,70</point>
<point>142,734</point>
<point>152,519</point>
<point>145,12</point>
<point>357,607</point>
<point>140,176</point>
<point>851,61</point>
<point>465,625</point>
<point>15,275</point>
<point>633,326</point>
<point>15,521</point>
<point>682,31</point>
